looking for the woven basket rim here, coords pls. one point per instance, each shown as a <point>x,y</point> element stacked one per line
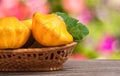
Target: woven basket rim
<point>40,49</point>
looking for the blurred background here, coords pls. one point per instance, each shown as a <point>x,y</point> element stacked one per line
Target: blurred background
<point>101,17</point>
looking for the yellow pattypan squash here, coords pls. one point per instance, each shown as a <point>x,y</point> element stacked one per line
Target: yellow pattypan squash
<point>13,33</point>
<point>28,23</point>
<point>50,30</point>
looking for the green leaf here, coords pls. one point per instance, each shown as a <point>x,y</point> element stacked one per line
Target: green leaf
<point>74,27</point>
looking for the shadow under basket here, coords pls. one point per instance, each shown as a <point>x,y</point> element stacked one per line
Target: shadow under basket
<point>35,59</point>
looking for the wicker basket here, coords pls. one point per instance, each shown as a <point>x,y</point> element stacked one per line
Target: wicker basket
<point>35,59</point>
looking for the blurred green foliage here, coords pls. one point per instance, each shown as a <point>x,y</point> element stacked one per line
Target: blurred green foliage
<point>56,6</point>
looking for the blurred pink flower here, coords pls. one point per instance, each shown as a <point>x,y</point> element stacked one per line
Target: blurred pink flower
<point>38,6</point>
<point>5,5</point>
<point>84,17</point>
<point>78,9</point>
<point>13,8</point>
<point>79,57</point>
<point>20,11</point>
<point>106,44</point>
<point>2,14</point>
<point>74,6</point>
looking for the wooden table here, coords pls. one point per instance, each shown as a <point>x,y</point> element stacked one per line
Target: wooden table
<point>78,68</point>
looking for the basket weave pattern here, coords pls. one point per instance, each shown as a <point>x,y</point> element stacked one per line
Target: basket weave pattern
<point>35,59</point>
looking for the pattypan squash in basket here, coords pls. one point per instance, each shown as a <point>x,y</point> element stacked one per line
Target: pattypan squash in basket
<point>13,33</point>
<point>50,30</point>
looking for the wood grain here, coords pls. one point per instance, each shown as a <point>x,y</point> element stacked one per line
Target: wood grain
<point>78,68</point>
